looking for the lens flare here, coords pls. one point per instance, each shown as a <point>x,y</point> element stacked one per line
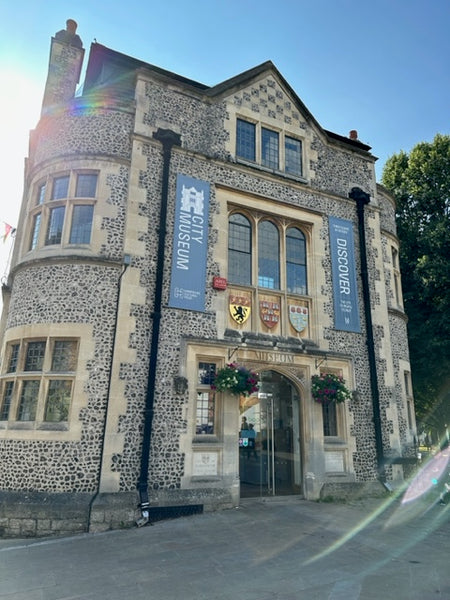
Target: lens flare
<point>428,477</point>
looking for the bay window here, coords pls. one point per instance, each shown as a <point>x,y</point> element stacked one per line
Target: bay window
<point>37,383</point>
<point>63,210</point>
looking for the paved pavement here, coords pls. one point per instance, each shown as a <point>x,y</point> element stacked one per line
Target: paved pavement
<point>288,549</point>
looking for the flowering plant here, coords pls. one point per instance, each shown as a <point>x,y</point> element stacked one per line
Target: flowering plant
<point>327,388</point>
<point>236,380</point>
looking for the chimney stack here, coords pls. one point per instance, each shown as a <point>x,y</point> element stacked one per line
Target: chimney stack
<point>66,60</point>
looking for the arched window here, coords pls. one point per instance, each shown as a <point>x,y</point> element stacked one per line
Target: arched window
<point>268,256</point>
<point>295,261</point>
<point>239,250</point>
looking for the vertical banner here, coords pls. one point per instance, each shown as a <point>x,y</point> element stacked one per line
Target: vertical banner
<point>345,291</point>
<point>190,244</point>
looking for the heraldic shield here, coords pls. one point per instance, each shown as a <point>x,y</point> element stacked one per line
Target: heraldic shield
<point>298,317</point>
<point>239,308</point>
<point>269,313</point>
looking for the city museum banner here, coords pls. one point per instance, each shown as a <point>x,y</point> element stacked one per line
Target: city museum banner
<point>190,244</point>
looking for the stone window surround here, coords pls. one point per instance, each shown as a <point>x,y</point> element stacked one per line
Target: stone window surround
<point>41,203</point>
<point>339,412</point>
<point>396,283</point>
<point>202,388</point>
<point>282,225</point>
<point>283,135</point>
<point>284,297</point>
<point>392,266</point>
<point>251,205</point>
<point>66,431</point>
<point>33,368</point>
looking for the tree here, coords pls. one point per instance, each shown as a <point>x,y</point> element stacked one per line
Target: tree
<point>420,183</point>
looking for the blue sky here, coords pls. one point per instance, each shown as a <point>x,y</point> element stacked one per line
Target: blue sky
<point>379,66</point>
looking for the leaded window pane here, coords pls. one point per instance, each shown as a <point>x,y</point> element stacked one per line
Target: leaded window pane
<point>245,140</point>
<point>58,400</point>
<point>35,231</point>
<point>268,256</point>
<point>60,187</point>
<point>296,261</point>
<point>205,412</point>
<point>80,232</point>
<point>292,156</point>
<point>7,399</point>
<point>206,373</point>
<point>239,250</point>
<point>41,194</point>
<point>28,400</point>
<point>34,359</point>
<point>64,356</point>
<point>86,186</point>
<point>55,226</point>
<point>13,358</point>
<point>269,148</point>
<point>329,419</point>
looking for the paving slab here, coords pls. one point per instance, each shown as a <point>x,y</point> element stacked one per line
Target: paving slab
<point>288,549</point>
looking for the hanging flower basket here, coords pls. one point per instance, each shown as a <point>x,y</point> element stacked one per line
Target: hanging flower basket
<point>327,388</point>
<point>236,379</point>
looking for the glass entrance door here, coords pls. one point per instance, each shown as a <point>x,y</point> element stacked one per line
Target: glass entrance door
<point>269,439</point>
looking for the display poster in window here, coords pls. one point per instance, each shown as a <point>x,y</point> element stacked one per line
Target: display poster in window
<point>345,291</point>
<point>190,244</point>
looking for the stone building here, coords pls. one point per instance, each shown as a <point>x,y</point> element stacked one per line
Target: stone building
<point>169,228</point>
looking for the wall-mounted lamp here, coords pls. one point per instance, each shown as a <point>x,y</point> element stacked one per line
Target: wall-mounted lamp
<point>231,352</point>
<point>320,362</point>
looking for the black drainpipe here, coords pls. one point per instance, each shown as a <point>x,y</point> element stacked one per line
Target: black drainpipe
<point>361,199</point>
<point>168,139</point>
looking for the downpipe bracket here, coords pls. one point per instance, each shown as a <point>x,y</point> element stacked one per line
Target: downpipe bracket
<point>144,519</point>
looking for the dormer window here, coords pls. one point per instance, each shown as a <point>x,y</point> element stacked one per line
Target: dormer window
<point>269,148</point>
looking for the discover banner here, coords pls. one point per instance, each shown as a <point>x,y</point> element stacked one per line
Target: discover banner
<point>345,291</point>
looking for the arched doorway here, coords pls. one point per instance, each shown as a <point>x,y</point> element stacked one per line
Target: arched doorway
<point>269,439</point>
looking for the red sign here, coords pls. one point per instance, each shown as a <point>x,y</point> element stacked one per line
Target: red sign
<point>219,283</point>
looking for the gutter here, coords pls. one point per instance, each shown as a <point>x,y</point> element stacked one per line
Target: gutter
<point>362,198</point>
<point>168,139</point>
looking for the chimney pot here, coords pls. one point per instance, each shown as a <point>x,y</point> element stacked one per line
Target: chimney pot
<point>71,25</point>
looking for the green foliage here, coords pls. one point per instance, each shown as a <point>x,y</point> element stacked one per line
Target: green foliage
<point>420,183</point>
<point>328,387</point>
<point>236,379</point>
